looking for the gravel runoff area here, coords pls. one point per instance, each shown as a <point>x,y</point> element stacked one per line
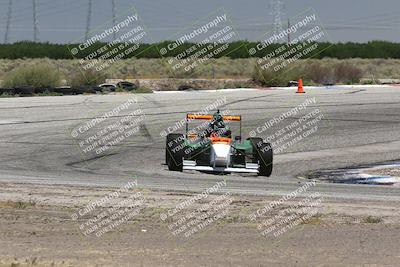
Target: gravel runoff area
<point>37,228</point>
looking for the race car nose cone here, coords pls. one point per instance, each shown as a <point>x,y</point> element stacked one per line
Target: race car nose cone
<point>220,155</point>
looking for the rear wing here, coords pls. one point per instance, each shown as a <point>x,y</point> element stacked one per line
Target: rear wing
<point>210,117</point>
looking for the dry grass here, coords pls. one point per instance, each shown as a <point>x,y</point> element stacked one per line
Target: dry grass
<point>141,68</point>
<point>18,204</point>
<point>40,75</point>
<point>213,69</point>
<point>372,219</point>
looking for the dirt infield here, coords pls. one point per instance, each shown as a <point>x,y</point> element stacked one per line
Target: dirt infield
<point>37,230</point>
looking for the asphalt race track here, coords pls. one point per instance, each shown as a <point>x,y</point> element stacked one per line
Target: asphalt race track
<point>359,126</point>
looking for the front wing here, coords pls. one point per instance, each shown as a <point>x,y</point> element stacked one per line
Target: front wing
<point>191,165</point>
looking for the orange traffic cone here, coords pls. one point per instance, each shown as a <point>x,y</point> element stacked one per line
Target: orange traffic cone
<point>300,89</point>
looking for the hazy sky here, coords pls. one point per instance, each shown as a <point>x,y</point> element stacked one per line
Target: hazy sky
<point>64,21</point>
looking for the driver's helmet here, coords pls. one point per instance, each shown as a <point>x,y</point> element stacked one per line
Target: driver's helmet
<point>218,127</point>
<point>217,121</point>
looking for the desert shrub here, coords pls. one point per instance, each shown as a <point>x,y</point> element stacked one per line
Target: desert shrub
<point>142,90</point>
<point>35,76</point>
<point>372,219</point>
<point>332,72</point>
<point>368,81</point>
<point>48,93</point>
<point>348,73</point>
<point>321,74</point>
<point>88,77</point>
<point>264,77</point>
<point>270,77</point>
<point>120,89</point>
<point>5,95</point>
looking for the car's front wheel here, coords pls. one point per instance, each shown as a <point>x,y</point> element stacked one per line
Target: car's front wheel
<point>263,154</point>
<point>175,151</point>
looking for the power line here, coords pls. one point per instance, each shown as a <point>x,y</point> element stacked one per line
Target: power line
<point>89,15</point>
<point>114,18</point>
<point>35,27</point>
<point>276,12</point>
<point>8,22</point>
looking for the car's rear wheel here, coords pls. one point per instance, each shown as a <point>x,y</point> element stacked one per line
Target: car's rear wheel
<point>263,154</point>
<point>175,151</point>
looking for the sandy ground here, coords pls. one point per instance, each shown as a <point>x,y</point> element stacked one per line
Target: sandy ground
<point>37,228</point>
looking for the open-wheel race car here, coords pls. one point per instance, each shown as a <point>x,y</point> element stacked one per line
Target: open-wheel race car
<point>214,150</point>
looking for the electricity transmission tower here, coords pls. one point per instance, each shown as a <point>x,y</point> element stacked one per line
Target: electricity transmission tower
<point>276,12</point>
<point>35,27</point>
<point>6,35</point>
<point>114,17</point>
<point>89,16</point>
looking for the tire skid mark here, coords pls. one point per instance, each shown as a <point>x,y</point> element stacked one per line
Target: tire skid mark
<point>153,101</point>
<point>145,132</point>
<point>354,92</point>
<point>181,112</point>
<point>58,105</point>
<point>72,164</point>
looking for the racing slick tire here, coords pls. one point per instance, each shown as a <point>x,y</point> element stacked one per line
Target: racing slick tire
<point>263,154</point>
<point>175,151</point>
